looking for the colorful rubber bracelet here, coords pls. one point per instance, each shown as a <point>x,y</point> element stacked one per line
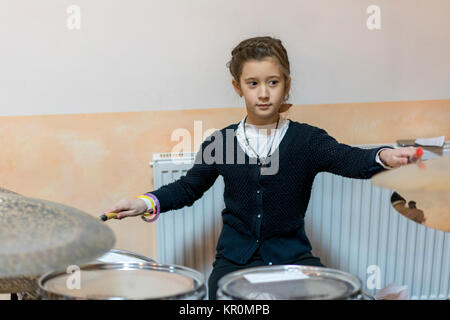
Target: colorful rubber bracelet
<point>151,219</point>
<point>155,209</point>
<point>150,200</point>
<point>156,201</point>
<point>147,203</point>
<point>152,204</point>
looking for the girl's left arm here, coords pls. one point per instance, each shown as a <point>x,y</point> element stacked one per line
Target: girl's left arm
<point>353,162</point>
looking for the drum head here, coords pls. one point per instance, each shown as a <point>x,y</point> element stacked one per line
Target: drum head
<point>130,281</point>
<point>289,282</point>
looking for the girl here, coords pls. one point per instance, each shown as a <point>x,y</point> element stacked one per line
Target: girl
<point>268,166</point>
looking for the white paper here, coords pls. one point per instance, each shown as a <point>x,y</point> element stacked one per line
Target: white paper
<point>112,257</point>
<point>392,292</point>
<point>272,277</point>
<point>431,142</point>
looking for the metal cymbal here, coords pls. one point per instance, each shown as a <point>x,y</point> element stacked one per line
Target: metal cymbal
<point>38,236</point>
<point>429,175</point>
<point>422,191</point>
<point>7,191</point>
<point>430,208</point>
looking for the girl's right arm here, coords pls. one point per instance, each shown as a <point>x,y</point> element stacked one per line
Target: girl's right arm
<point>183,192</point>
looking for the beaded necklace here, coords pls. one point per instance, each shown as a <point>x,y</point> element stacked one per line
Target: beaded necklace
<point>263,161</point>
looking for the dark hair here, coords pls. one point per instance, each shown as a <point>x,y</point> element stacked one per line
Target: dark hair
<point>258,48</point>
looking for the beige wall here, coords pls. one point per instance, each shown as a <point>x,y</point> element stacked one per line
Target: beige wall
<point>90,161</point>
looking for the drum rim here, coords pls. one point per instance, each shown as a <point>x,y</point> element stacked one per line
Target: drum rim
<point>32,290</point>
<point>196,275</point>
<point>225,279</point>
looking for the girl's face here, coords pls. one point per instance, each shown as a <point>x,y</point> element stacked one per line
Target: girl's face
<point>264,87</point>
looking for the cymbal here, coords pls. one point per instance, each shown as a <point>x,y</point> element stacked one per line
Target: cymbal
<point>422,191</point>
<point>38,236</point>
<point>429,175</point>
<point>7,191</point>
<point>429,208</point>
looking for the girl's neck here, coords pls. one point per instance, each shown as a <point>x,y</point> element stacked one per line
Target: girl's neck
<point>262,122</point>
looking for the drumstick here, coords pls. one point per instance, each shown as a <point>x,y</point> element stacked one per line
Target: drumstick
<point>107,216</point>
<point>111,215</point>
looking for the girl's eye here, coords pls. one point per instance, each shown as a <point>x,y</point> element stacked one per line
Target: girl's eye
<point>271,82</point>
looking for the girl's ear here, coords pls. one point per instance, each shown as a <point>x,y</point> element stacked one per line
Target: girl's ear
<point>288,86</point>
<point>237,87</point>
<point>286,106</point>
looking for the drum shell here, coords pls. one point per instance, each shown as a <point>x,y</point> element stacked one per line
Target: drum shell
<point>197,293</point>
<point>224,293</point>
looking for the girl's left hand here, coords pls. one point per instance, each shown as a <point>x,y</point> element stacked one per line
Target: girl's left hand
<point>398,157</point>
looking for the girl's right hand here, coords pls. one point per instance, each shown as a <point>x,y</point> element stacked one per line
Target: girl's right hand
<point>128,208</point>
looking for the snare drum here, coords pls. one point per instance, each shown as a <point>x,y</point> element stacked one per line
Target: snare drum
<point>289,282</point>
<point>112,256</point>
<point>125,281</point>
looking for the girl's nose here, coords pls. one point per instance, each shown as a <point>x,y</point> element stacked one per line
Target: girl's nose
<point>263,92</point>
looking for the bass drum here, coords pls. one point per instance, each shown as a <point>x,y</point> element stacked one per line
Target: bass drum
<point>112,256</point>
<point>290,282</point>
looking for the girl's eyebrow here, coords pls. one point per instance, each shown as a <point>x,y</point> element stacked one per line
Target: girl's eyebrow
<point>269,77</point>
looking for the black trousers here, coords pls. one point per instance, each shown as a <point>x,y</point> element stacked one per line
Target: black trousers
<point>223,266</point>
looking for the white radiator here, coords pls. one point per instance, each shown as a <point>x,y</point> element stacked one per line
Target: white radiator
<point>350,223</point>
